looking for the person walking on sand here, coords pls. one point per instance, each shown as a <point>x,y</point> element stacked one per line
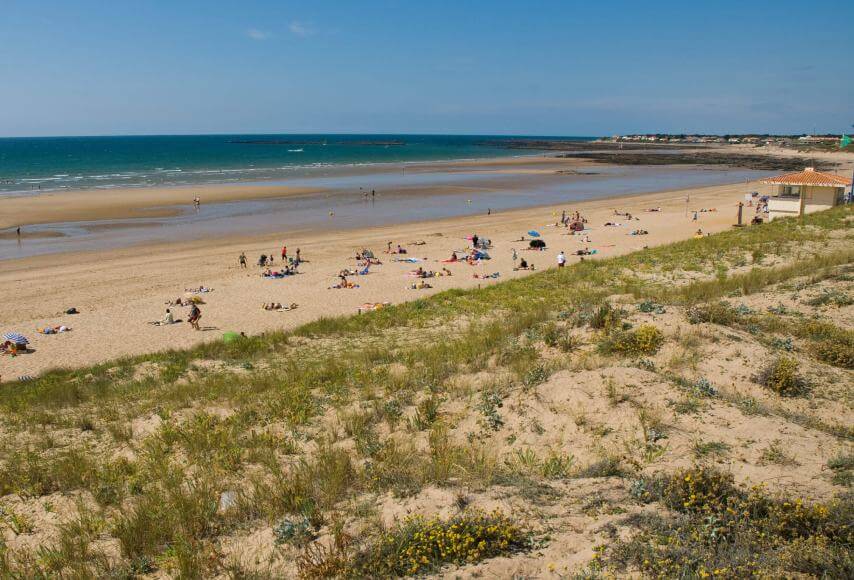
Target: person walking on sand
<point>284,253</point>
<point>515,257</point>
<point>561,259</point>
<point>195,316</point>
<point>242,260</point>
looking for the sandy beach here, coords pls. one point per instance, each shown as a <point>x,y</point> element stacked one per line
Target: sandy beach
<point>118,292</point>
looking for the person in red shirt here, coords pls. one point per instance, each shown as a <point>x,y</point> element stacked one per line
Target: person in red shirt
<point>284,253</point>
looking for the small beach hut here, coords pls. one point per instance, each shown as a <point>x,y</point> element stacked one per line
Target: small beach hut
<point>796,194</point>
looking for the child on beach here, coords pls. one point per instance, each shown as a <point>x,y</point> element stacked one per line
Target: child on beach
<point>195,316</point>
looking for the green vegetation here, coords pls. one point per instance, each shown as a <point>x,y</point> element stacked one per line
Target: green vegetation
<point>720,530</point>
<point>781,376</point>
<point>297,432</point>
<point>417,546</point>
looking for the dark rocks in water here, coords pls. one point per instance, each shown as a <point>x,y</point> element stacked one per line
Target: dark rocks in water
<point>315,142</point>
<point>570,145</point>
<point>747,161</point>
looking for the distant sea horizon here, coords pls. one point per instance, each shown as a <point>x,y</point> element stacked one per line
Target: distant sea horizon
<point>29,165</point>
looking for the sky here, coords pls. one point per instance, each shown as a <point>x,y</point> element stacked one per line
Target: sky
<point>458,67</point>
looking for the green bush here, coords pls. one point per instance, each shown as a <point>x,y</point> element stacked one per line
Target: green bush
<point>719,530</point>
<point>836,353</point>
<point>644,340</point>
<point>781,376</point>
<point>419,545</point>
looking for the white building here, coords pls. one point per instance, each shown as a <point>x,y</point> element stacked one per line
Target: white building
<point>805,192</point>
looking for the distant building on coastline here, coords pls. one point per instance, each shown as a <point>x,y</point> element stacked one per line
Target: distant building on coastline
<point>801,193</point>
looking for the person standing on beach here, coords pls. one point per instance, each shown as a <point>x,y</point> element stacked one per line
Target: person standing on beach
<point>18,231</point>
<point>195,316</point>
<point>515,257</point>
<point>297,261</point>
<point>561,259</point>
<point>242,260</point>
<point>284,253</point>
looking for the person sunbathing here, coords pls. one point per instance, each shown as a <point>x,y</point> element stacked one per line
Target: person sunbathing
<point>638,233</point>
<point>343,284</point>
<point>10,348</point>
<point>420,285</point>
<point>444,272</point>
<point>486,276</point>
<point>453,257</point>
<point>523,265</point>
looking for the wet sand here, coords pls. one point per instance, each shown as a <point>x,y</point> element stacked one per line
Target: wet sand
<point>339,198</point>
<point>118,291</point>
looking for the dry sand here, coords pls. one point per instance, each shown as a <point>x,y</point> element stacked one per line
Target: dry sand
<point>118,291</point>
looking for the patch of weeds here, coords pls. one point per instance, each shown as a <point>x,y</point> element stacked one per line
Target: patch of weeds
<point>426,413</point>
<point>557,465</point>
<point>831,297</point>
<point>783,343</point>
<point>775,453</point>
<point>720,312</point>
<point>687,405</point>
<point>646,365</point>
<point>608,466</point>
<point>649,306</point>
<point>419,545</point>
<point>297,532</point>
<point>779,309</point>
<point>490,402</point>
<point>645,340</point>
<point>749,406</point>
<point>723,531</point>
<point>842,467</point>
<point>535,376</point>
<point>837,353</point>
<point>702,449</point>
<point>781,376</point>
<point>606,317</point>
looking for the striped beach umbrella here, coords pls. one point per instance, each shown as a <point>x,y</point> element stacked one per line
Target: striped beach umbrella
<point>16,338</point>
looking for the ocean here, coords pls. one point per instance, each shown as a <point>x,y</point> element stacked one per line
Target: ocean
<point>32,164</point>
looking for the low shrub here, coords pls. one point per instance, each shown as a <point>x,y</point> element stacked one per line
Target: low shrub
<point>419,545</point>
<point>644,340</point>
<point>720,530</point>
<point>836,353</point>
<point>781,376</point>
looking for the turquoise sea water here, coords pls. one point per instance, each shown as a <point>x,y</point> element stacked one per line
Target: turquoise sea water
<point>51,163</point>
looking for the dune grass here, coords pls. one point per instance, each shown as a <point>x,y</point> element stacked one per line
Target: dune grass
<point>267,421</point>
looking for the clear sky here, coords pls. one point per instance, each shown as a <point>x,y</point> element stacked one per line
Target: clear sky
<point>88,67</point>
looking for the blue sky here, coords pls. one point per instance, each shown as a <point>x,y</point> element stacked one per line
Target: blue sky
<point>526,67</point>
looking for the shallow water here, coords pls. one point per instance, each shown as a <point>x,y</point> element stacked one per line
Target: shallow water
<point>394,204</point>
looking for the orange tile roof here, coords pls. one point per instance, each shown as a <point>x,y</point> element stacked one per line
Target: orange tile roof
<point>809,176</point>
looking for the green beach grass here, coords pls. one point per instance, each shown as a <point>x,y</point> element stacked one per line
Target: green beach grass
<point>304,427</point>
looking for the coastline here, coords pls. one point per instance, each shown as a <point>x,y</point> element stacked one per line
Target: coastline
<point>133,202</point>
<point>117,291</point>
